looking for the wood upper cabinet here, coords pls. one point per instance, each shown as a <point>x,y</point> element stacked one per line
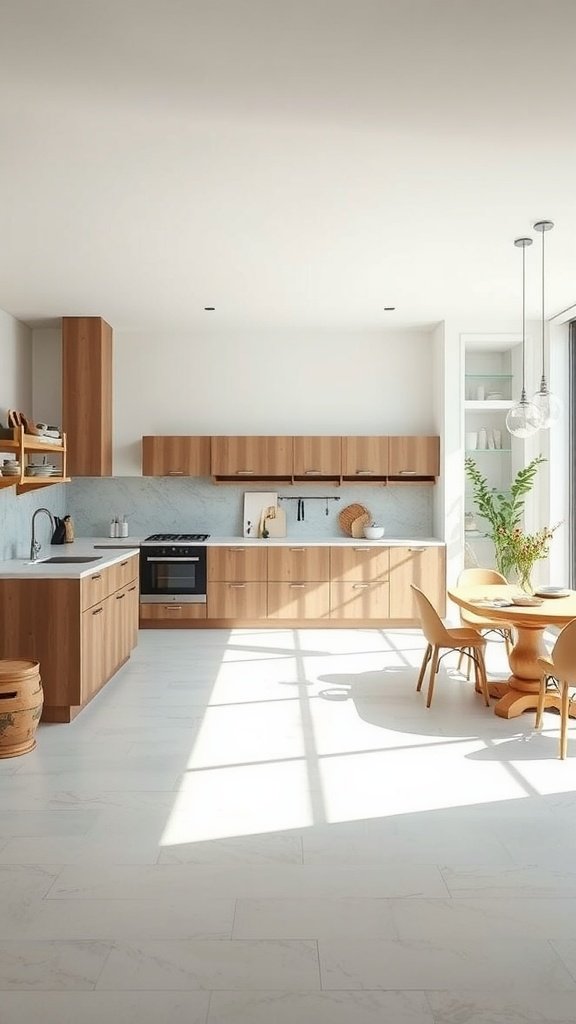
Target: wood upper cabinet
<point>317,456</point>
<point>238,564</point>
<point>414,457</point>
<point>365,457</point>
<point>423,566</point>
<point>299,564</point>
<point>175,456</point>
<point>87,394</point>
<point>258,457</point>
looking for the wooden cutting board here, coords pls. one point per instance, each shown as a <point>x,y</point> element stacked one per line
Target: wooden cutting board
<point>276,525</point>
<point>357,527</point>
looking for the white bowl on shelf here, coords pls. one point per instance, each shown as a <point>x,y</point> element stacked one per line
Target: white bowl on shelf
<point>373,532</point>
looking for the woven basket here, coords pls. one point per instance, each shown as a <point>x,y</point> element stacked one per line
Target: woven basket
<point>349,514</point>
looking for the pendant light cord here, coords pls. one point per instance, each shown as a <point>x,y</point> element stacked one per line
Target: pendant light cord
<point>543,317</point>
<point>523,398</point>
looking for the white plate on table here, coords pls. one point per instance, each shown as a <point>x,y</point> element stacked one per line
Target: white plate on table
<point>552,592</point>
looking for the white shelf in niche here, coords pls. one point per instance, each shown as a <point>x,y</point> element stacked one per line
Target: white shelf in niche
<point>486,406</point>
<point>488,451</point>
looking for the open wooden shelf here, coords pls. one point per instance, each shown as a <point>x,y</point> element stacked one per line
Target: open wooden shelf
<point>23,445</point>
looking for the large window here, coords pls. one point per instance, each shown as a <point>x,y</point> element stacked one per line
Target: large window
<point>572,451</point>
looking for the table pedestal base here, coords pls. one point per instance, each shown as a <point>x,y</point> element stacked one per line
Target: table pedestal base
<point>522,688</point>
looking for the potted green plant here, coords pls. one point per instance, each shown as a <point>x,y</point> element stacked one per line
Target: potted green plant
<point>515,550</point>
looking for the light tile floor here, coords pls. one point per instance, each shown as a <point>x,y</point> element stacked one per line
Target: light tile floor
<point>268,827</point>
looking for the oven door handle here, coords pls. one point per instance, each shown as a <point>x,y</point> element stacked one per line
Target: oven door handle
<point>171,559</point>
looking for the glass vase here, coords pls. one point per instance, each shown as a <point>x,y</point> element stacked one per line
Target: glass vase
<point>525,580</point>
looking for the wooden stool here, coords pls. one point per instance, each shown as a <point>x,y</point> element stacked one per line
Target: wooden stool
<point>21,700</point>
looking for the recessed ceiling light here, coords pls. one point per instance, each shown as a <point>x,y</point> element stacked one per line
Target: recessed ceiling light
<point>209,309</point>
<point>389,309</point>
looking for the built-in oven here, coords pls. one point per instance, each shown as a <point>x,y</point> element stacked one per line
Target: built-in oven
<point>173,568</point>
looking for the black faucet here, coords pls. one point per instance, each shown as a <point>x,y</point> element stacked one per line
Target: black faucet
<point>35,545</point>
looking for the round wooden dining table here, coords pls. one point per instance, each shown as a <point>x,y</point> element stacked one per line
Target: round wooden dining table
<point>520,692</point>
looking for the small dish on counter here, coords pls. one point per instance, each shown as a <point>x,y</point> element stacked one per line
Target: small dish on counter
<point>552,592</point>
<point>527,601</point>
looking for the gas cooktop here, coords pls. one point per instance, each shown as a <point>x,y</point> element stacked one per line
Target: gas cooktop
<point>176,538</point>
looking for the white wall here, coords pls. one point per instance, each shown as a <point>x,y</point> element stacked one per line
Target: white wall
<point>15,366</point>
<point>47,375</point>
<point>269,383</point>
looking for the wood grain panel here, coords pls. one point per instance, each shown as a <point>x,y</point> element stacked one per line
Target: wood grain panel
<point>298,600</point>
<point>40,620</point>
<point>174,611</point>
<point>298,564</point>
<point>426,568</point>
<point>87,394</point>
<point>365,457</point>
<point>359,564</point>
<point>97,646</point>
<point>251,456</point>
<point>360,601</point>
<point>175,456</point>
<point>237,601</point>
<point>414,456</point>
<point>317,456</point>
<point>238,564</point>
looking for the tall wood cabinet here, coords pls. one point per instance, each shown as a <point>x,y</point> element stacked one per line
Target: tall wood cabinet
<point>87,394</point>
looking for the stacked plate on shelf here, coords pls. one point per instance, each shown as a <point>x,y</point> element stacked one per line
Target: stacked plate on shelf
<point>10,468</point>
<point>45,469</point>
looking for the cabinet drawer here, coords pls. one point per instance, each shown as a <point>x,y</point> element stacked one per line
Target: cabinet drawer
<point>359,600</point>
<point>172,611</point>
<point>95,587</point>
<point>123,572</point>
<point>298,600</point>
<point>298,564</point>
<point>239,564</point>
<point>237,601</point>
<point>361,564</point>
<point>425,567</point>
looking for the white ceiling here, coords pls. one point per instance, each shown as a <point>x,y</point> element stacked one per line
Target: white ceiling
<point>295,163</point>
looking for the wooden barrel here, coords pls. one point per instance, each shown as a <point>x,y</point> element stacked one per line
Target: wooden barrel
<point>21,700</point>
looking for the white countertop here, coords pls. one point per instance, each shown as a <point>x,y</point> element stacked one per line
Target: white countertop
<point>23,569</point>
<point>109,550</point>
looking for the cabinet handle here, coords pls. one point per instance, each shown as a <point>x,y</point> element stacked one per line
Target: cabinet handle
<point>175,472</point>
<point>297,586</point>
<point>97,577</point>
<point>238,549</point>
<point>362,549</point>
<point>296,549</point>
<point>244,472</point>
<point>237,586</point>
<point>120,596</point>
<point>360,586</point>
<point>172,607</point>
<point>406,472</point>
<point>417,551</point>
<point>98,611</point>
<point>122,564</point>
<point>131,589</point>
<point>365,472</point>
<point>312,472</point>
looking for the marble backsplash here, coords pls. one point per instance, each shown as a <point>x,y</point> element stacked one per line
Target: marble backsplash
<point>164,505</point>
<point>16,512</point>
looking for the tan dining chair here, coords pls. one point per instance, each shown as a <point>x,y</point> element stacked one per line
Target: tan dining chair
<point>559,673</point>
<point>466,640</point>
<point>484,625</point>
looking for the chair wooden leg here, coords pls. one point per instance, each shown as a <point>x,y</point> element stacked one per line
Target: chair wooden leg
<point>540,706</point>
<point>564,720</point>
<point>469,665</point>
<point>425,660</point>
<point>433,671</point>
<point>483,678</point>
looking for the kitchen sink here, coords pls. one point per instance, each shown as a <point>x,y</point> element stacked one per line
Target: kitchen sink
<point>67,559</point>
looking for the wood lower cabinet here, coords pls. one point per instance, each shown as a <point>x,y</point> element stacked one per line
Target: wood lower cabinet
<point>79,645</point>
<point>364,458</point>
<point>362,564</point>
<point>298,564</point>
<point>298,600</point>
<point>259,457</point>
<point>423,566</point>
<point>237,600</point>
<point>414,457</point>
<point>317,457</point>
<point>175,456</point>
<point>239,564</point>
<point>360,601</point>
<point>166,613</point>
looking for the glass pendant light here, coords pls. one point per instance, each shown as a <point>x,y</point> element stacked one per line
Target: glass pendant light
<point>523,418</point>
<point>549,405</point>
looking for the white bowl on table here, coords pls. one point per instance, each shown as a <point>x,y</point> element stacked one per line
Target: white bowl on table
<point>373,532</point>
